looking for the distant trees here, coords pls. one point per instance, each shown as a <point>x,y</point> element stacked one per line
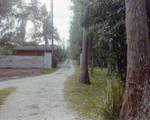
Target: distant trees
<point>106,34</point>
<point>76,31</point>
<point>14,17</point>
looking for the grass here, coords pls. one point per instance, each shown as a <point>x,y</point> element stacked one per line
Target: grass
<point>48,71</point>
<point>67,66</point>
<point>99,101</point>
<point>4,93</point>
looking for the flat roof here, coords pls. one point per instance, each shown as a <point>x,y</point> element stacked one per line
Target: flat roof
<point>39,48</point>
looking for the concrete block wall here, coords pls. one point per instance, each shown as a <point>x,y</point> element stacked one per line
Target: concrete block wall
<point>47,60</point>
<point>22,62</point>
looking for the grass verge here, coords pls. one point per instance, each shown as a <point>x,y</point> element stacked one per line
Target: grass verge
<point>48,71</point>
<point>99,101</point>
<point>4,93</point>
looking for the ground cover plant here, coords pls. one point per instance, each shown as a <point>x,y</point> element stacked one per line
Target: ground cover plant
<point>4,93</point>
<point>101,100</point>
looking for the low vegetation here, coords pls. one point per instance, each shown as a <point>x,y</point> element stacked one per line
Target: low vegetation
<point>4,93</point>
<point>48,71</point>
<point>100,100</point>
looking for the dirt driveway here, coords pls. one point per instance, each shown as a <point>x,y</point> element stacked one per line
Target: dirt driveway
<point>9,74</point>
<point>38,98</point>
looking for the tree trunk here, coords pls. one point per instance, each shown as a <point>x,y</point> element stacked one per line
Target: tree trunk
<point>108,68</point>
<point>109,64</point>
<point>101,64</point>
<point>92,62</point>
<point>136,104</point>
<point>23,31</point>
<point>84,76</point>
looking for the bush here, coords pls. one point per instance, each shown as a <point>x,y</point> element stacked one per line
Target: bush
<point>56,60</point>
<point>6,51</point>
<point>111,99</point>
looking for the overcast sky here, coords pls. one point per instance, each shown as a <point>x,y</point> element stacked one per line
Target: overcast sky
<point>62,15</point>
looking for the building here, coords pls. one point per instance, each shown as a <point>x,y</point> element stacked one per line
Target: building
<point>33,50</point>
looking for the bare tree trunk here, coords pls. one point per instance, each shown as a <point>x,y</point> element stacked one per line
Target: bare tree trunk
<point>92,62</point>
<point>22,30</point>
<point>136,104</point>
<point>108,68</point>
<point>101,64</point>
<point>109,64</point>
<point>84,76</point>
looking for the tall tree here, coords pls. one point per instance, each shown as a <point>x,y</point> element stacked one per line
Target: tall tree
<point>84,76</point>
<point>137,93</point>
<point>22,16</point>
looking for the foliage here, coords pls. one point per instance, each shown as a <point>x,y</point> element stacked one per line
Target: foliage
<point>7,7</point>
<point>100,100</point>
<point>61,53</point>
<point>5,50</point>
<point>56,60</point>
<point>106,32</point>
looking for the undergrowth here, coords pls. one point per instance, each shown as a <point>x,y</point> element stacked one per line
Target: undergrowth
<point>4,93</point>
<point>101,100</point>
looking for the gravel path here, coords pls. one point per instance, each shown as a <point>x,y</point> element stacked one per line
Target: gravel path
<point>38,98</point>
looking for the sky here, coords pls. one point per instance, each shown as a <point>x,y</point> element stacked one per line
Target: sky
<point>62,16</point>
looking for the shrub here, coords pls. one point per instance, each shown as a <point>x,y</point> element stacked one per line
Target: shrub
<point>111,99</point>
<point>5,51</point>
<point>56,60</point>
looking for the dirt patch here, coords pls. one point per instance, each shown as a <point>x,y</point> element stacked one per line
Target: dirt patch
<point>9,74</point>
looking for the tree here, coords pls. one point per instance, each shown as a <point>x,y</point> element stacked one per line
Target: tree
<point>84,76</point>
<point>76,32</point>
<point>6,8</point>
<point>22,17</point>
<point>106,25</point>
<point>137,97</point>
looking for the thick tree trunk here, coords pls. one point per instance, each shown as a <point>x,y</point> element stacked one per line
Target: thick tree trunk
<point>84,76</point>
<point>136,104</point>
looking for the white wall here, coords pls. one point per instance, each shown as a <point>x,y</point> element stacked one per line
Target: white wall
<point>24,61</point>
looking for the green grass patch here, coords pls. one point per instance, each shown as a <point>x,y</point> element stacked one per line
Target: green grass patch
<point>101,100</point>
<point>48,71</point>
<point>67,66</point>
<point>4,93</point>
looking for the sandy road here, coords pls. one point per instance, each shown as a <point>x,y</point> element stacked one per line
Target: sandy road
<point>38,98</point>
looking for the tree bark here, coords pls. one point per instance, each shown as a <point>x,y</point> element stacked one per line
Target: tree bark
<point>109,64</point>
<point>101,64</point>
<point>92,61</point>
<point>108,68</point>
<point>84,76</point>
<point>136,104</point>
